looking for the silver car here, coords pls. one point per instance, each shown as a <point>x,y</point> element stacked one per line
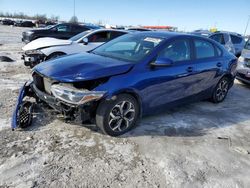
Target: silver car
<point>243,67</point>
<point>233,42</point>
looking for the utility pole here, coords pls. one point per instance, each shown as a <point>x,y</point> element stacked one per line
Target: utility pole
<point>247,25</point>
<point>74,9</point>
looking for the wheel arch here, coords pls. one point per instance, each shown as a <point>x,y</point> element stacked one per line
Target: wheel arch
<point>53,53</point>
<point>131,92</point>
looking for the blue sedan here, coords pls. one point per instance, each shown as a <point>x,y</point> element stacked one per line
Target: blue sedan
<point>131,76</point>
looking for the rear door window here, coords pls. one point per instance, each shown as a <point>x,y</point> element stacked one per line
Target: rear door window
<point>247,45</point>
<point>204,49</point>
<point>218,38</point>
<point>236,39</point>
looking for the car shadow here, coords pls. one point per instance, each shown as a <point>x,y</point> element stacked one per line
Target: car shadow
<point>197,119</point>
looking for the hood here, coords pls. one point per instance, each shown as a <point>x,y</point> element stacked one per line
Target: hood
<point>83,66</point>
<point>45,42</point>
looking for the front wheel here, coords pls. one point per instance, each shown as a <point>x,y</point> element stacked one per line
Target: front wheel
<point>117,116</point>
<point>221,90</point>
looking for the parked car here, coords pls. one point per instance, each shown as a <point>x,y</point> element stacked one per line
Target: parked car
<point>24,24</point>
<point>233,42</point>
<point>243,68</point>
<point>200,32</point>
<point>133,75</point>
<point>47,48</point>
<point>7,22</point>
<point>138,29</point>
<point>60,31</point>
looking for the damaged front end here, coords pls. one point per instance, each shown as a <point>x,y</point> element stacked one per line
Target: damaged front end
<point>22,115</point>
<point>33,57</point>
<point>65,98</point>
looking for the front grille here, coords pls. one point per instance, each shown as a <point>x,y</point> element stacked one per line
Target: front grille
<point>38,81</point>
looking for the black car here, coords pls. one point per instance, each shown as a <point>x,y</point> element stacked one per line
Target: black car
<point>24,24</point>
<point>8,22</point>
<point>60,31</point>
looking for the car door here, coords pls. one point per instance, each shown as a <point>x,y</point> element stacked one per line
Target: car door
<point>208,62</point>
<point>170,85</point>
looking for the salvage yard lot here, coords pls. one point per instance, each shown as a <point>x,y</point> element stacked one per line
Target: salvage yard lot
<point>197,145</point>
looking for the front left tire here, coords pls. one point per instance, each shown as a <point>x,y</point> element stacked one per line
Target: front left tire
<point>117,116</point>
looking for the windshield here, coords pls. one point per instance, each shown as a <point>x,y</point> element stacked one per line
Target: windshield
<point>247,45</point>
<point>80,35</point>
<point>129,47</point>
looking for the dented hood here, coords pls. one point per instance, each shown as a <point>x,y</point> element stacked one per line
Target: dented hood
<point>45,42</point>
<point>80,67</point>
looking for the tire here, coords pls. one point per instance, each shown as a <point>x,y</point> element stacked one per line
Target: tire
<point>55,55</point>
<point>118,115</point>
<point>221,90</point>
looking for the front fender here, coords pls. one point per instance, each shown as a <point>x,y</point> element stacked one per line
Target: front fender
<point>24,90</point>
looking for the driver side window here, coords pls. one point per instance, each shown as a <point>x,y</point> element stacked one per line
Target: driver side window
<point>63,28</point>
<point>178,50</point>
<point>100,37</point>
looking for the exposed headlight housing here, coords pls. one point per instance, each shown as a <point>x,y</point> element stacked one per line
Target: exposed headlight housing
<point>33,52</point>
<point>241,59</point>
<point>75,96</point>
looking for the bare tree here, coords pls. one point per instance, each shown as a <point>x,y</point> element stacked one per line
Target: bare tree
<point>73,19</point>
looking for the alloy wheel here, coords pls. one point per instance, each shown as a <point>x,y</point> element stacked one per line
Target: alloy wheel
<point>222,90</point>
<point>121,116</point>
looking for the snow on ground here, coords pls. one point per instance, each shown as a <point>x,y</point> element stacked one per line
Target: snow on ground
<point>197,145</point>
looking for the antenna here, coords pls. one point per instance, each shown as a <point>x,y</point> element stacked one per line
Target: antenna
<point>247,25</point>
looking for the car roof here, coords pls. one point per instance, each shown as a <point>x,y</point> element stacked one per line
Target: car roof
<point>162,34</point>
<point>118,30</point>
<point>228,32</point>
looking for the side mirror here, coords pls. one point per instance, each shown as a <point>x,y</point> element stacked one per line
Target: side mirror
<point>85,41</point>
<point>162,62</point>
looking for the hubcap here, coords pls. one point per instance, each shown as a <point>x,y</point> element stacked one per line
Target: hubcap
<point>222,90</point>
<point>121,116</point>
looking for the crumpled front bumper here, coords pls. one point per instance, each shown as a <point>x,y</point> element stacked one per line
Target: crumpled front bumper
<point>24,91</point>
<point>70,112</point>
<point>32,60</point>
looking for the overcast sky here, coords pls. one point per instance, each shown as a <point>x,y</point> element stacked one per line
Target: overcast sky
<point>187,15</point>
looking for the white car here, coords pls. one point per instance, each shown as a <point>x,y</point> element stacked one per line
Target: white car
<point>43,49</point>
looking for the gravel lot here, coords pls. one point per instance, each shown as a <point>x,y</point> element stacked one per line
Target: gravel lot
<point>198,145</point>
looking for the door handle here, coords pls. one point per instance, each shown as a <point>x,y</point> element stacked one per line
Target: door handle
<point>189,69</point>
<point>219,64</point>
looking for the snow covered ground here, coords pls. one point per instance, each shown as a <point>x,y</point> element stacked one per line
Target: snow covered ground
<point>197,145</point>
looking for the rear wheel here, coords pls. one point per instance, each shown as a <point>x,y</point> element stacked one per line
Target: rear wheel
<point>221,90</point>
<point>116,117</point>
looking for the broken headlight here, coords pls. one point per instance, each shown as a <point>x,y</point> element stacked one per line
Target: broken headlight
<point>75,96</point>
<point>33,52</point>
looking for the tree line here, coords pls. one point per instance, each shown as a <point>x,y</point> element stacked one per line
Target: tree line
<point>21,15</point>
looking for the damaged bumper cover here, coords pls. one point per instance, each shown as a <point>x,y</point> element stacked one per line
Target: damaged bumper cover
<point>32,58</point>
<point>24,91</point>
<point>82,108</point>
